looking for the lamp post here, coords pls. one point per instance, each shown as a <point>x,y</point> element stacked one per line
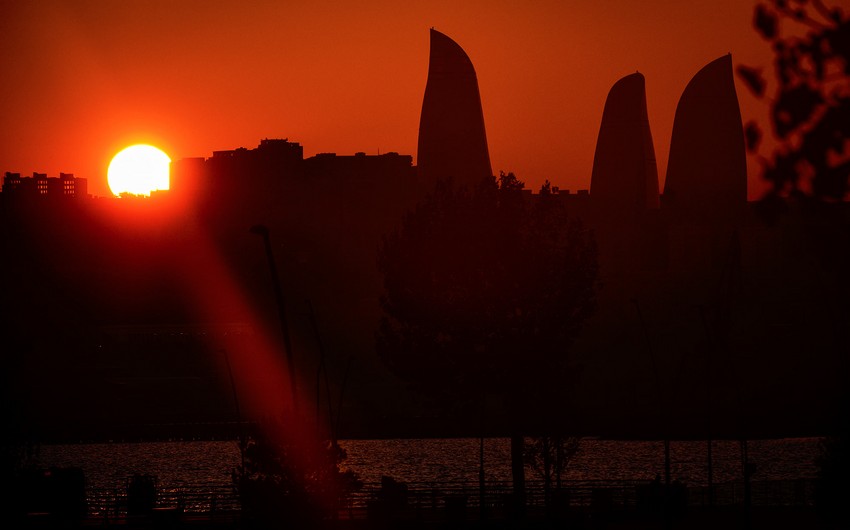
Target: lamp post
<point>263,232</point>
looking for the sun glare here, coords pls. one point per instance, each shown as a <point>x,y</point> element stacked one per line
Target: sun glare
<point>138,169</point>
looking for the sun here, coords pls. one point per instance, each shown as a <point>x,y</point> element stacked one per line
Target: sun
<point>138,169</point>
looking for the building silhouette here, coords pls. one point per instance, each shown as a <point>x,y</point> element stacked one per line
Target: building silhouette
<point>279,162</point>
<point>276,172</point>
<point>40,185</point>
<point>707,168</point>
<point>624,198</point>
<point>680,256</point>
<point>624,181</point>
<point>452,139</point>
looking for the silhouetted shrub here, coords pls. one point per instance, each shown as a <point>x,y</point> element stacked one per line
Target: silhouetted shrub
<point>291,479</point>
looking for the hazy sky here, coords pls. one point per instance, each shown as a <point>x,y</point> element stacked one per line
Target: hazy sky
<point>83,79</point>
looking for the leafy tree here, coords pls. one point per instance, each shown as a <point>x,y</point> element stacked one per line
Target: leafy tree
<point>484,290</point>
<point>810,112</point>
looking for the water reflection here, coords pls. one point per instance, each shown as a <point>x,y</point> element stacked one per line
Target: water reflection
<point>109,465</point>
<point>441,460</point>
<point>456,460</point>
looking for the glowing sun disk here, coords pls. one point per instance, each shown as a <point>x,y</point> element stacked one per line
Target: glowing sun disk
<point>138,169</point>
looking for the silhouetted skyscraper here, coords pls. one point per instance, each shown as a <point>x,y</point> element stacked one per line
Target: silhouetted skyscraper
<point>624,181</point>
<point>707,170</point>
<point>452,140</point>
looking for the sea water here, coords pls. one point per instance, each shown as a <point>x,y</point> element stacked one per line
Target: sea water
<point>109,465</point>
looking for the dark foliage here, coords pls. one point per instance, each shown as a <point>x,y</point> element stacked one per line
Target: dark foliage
<point>284,480</point>
<point>810,112</point>
<point>810,115</point>
<point>752,137</point>
<point>753,78</point>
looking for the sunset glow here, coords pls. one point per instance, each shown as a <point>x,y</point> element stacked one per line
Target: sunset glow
<point>139,169</point>
<point>544,69</point>
<point>460,263</point>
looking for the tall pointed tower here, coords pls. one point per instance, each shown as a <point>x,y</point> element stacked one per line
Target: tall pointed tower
<point>452,140</point>
<point>624,181</point>
<point>707,170</point>
<point>705,195</point>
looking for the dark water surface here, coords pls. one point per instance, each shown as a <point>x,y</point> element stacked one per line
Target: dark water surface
<point>109,465</point>
<point>441,460</point>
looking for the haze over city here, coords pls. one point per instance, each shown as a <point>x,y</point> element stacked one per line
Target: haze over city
<point>86,79</point>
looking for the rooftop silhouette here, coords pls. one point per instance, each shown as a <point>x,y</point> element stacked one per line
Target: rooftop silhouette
<point>40,185</point>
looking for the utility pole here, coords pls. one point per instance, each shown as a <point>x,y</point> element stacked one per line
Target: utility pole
<point>263,232</point>
<point>708,404</point>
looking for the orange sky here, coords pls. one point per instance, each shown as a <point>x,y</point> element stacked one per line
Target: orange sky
<point>83,79</point>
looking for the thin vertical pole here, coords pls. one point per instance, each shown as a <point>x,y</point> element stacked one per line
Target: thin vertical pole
<point>708,376</point>
<point>745,464</point>
<point>482,506</point>
<point>281,311</point>
<point>710,475</point>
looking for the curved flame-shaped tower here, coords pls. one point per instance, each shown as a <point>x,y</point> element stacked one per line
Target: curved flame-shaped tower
<point>707,170</point>
<point>452,141</point>
<point>624,181</point>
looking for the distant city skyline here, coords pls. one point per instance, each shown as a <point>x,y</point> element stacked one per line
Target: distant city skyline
<point>697,271</point>
<point>346,79</point>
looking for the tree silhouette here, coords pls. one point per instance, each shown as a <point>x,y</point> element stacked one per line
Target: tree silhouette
<point>810,116</point>
<point>287,477</point>
<point>810,112</point>
<point>549,456</point>
<point>484,291</point>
